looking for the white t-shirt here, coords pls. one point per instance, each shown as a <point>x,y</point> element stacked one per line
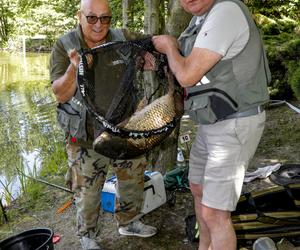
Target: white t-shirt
<point>225,31</point>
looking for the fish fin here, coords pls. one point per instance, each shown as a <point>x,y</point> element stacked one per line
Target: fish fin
<point>143,103</point>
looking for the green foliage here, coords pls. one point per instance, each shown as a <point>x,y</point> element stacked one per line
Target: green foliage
<point>41,17</point>
<point>34,190</point>
<point>279,23</point>
<point>137,13</point>
<point>116,7</point>
<point>55,161</point>
<point>282,51</point>
<point>67,7</point>
<point>7,17</point>
<point>270,26</point>
<point>294,77</point>
<point>274,8</point>
<point>138,22</point>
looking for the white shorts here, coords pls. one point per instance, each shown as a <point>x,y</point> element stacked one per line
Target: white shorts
<point>220,156</point>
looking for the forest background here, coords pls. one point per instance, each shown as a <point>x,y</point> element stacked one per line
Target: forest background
<point>279,21</point>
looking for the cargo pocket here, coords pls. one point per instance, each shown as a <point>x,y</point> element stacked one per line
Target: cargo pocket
<point>210,107</point>
<point>68,120</point>
<point>199,110</point>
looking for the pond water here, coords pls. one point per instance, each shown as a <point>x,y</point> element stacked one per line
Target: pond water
<point>28,128</point>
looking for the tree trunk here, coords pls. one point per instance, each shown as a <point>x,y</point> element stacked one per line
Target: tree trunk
<point>3,26</point>
<point>127,13</point>
<point>153,17</point>
<point>152,25</point>
<point>177,21</point>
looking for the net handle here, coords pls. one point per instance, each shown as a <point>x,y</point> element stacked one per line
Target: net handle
<point>101,46</point>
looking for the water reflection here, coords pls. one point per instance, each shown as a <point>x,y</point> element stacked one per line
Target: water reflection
<point>15,68</point>
<point>28,128</point>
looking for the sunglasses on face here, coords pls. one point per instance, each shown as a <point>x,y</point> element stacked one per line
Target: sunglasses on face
<point>94,19</point>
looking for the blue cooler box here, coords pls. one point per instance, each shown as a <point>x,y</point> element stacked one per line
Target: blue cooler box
<point>108,195</point>
<point>154,193</point>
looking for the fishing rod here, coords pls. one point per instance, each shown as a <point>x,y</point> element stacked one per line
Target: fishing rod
<point>47,183</point>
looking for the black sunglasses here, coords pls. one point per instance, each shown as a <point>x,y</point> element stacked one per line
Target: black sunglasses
<point>94,19</point>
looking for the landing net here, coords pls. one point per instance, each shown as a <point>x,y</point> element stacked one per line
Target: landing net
<point>116,77</point>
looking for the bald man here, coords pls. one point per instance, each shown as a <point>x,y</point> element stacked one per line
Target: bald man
<point>87,169</point>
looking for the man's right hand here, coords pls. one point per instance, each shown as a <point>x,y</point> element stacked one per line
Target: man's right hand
<point>74,58</point>
<point>163,43</point>
<point>65,87</point>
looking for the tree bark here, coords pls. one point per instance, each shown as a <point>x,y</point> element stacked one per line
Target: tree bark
<point>3,25</point>
<point>178,19</point>
<point>152,21</point>
<point>165,159</point>
<point>127,13</point>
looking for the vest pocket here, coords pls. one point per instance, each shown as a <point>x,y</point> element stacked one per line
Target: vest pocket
<point>209,107</point>
<point>69,121</point>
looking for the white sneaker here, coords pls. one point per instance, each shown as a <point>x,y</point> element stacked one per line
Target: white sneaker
<point>137,228</point>
<point>89,244</point>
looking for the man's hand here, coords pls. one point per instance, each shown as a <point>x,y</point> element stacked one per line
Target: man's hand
<point>74,57</point>
<point>163,43</point>
<point>65,86</point>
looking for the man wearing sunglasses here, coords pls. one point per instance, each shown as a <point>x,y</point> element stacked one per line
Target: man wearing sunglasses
<point>88,169</point>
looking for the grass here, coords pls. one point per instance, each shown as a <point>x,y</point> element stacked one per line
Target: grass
<point>281,137</point>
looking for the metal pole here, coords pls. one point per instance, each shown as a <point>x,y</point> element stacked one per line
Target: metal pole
<point>49,184</point>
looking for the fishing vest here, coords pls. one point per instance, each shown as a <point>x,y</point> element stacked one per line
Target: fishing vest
<point>230,90</point>
<point>72,115</point>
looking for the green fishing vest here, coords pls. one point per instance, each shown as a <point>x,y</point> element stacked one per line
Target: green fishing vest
<point>236,84</point>
<point>72,115</point>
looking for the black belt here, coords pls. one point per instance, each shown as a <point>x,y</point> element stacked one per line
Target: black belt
<point>249,112</point>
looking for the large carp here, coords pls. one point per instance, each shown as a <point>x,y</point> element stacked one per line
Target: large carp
<point>157,114</point>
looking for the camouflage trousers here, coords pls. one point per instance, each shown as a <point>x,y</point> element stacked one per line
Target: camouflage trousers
<point>87,173</point>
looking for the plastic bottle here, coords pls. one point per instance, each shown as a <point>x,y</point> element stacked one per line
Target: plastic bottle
<point>264,243</point>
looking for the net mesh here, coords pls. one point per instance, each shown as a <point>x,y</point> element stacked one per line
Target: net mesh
<point>116,78</point>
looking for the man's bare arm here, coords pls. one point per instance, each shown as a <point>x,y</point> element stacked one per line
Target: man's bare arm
<point>188,70</point>
<point>65,87</point>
